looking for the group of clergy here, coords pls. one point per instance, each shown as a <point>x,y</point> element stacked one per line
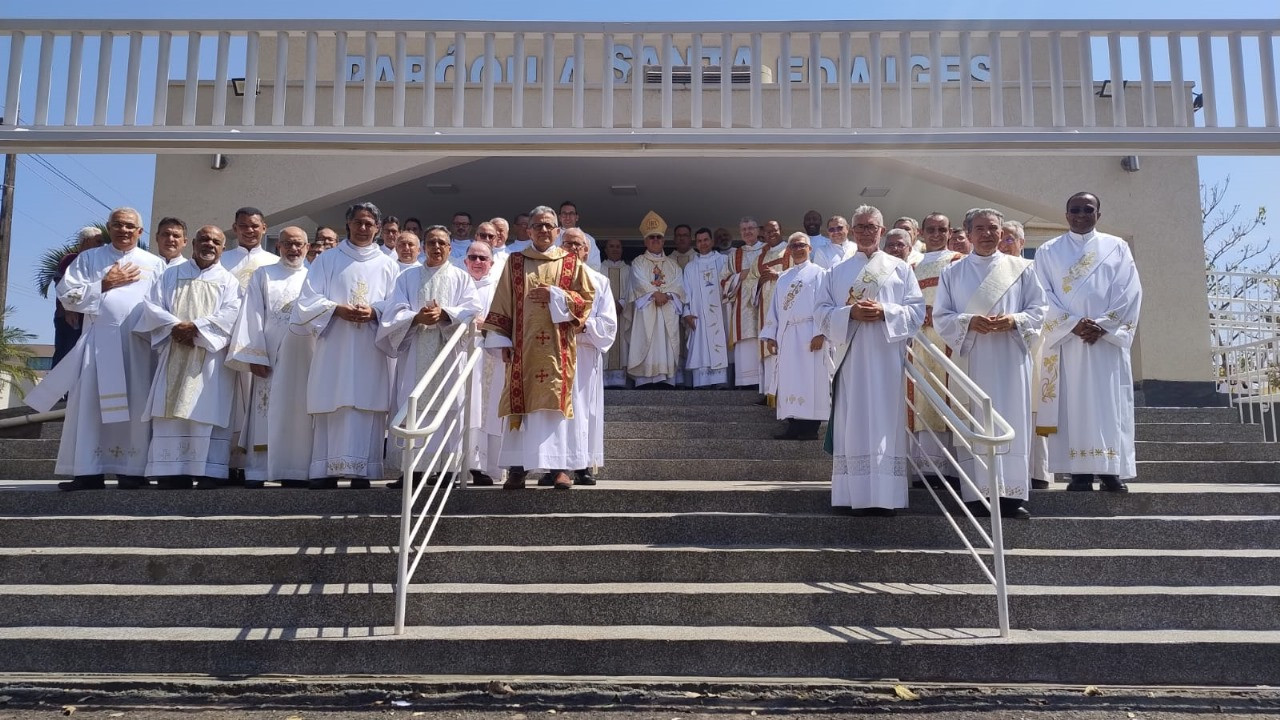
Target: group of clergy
<point>288,370</point>
<point>824,327</point>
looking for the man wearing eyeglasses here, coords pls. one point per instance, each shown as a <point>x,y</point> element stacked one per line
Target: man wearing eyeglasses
<point>838,246</point>
<point>618,272</point>
<point>487,233</point>
<point>869,307</point>
<point>597,336</point>
<point>487,378</point>
<point>461,236</point>
<point>539,307</point>
<point>1094,297</point>
<point>569,218</point>
<point>417,318</point>
<point>932,434</point>
<point>108,372</point>
<point>802,384</point>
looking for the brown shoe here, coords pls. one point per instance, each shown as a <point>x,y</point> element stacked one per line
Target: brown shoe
<point>563,480</point>
<point>515,479</point>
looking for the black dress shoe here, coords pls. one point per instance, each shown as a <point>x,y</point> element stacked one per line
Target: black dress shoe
<point>547,480</point>
<point>254,484</point>
<point>1080,483</point>
<point>977,509</point>
<point>881,512</point>
<point>359,483</point>
<point>1038,484</point>
<point>324,483</point>
<point>174,482</point>
<point>1111,483</point>
<point>235,477</point>
<point>132,482</point>
<point>207,483</point>
<point>83,482</point>
<point>295,484</point>
<point>480,478</point>
<point>583,477</point>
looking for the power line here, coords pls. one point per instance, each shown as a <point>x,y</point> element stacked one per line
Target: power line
<point>50,183</point>
<point>45,162</point>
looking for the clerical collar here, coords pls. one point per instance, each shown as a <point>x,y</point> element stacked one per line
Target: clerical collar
<point>657,256</point>
<point>1082,239</point>
<point>975,257</point>
<point>292,268</point>
<point>360,254</point>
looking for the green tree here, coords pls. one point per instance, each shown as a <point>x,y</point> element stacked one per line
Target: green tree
<point>14,354</point>
<point>46,268</point>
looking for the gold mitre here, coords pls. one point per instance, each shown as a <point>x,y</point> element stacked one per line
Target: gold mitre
<point>653,224</point>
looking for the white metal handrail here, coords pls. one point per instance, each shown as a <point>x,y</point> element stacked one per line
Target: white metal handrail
<point>445,383</point>
<point>475,78</point>
<point>980,434</point>
<point>1244,337</point>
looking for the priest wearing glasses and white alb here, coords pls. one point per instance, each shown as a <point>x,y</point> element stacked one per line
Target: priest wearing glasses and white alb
<point>1086,398</point>
<point>989,308</point>
<point>869,306</point>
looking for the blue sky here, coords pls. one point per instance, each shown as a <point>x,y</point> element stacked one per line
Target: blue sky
<point>48,208</point>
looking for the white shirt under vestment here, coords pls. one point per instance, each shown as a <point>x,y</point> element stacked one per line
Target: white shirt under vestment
<point>803,388</point>
<point>191,395</point>
<point>615,363</point>
<point>277,430</point>
<point>738,289</point>
<point>417,347</point>
<point>176,261</point>
<point>242,263</point>
<point>831,254</point>
<point>597,336</point>
<point>867,431</point>
<point>108,373</point>
<point>349,385</point>
<point>487,381</point>
<point>708,355</point>
<point>654,350</point>
<point>407,265</point>
<point>776,256</point>
<point>1000,363</point>
<point>1091,276</point>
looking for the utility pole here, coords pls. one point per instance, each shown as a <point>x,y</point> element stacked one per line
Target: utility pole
<point>6,226</point>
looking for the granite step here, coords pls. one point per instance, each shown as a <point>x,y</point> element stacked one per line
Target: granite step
<point>712,448</point>
<point>711,604</point>
<point>958,654</point>
<point>651,563</point>
<point>908,530</point>
<point>705,414</point>
<point>1208,451</point>
<point>1198,432</point>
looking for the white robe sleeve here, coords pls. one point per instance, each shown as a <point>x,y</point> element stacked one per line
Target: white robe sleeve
<point>903,320</point>
<point>1030,319</point>
<point>80,289</point>
<point>396,317</point>
<point>831,315</point>
<point>313,309</point>
<point>952,324</point>
<point>1058,320</point>
<point>773,318</point>
<point>601,328</point>
<point>154,318</point>
<point>248,344</point>
<point>1121,318</point>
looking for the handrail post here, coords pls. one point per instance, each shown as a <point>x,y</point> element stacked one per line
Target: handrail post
<point>997,526</point>
<point>406,508</point>
<point>464,469</point>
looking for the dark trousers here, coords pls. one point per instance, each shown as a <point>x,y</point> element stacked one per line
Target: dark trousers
<point>64,338</point>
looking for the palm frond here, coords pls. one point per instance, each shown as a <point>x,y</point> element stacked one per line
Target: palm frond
<point>14,354</point>
<point>46,268</point>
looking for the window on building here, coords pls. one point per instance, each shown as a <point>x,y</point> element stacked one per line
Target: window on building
<point>40,364</point>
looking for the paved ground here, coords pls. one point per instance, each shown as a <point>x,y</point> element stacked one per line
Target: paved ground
<point>310,699</point>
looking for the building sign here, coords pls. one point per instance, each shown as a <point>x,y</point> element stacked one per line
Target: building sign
<point>797,67</point>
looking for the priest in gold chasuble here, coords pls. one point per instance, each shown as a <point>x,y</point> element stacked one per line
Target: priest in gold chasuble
<point>539,305</point>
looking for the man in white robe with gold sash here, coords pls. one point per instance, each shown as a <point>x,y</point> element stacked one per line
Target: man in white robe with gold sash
<point>1086,382</point>
<point>708,356</point>
<point>989,309</point>
<point>107,374</point>
<point>539,307</point>
<point>738,289</point>
<point>869,307</point>
<point>276,439</point>
<point>803,381</point>
<point>657,299</point>
<point>349,386</point>
<point>932,434</point>
<point>619,274</point>
<point>773,261</point>
<point>597,335</point>
<point>428,304</point>
<point>189,317</point>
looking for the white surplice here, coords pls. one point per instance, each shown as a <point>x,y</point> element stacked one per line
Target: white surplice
<point>487,381</point>
<point>932,433</point>
<point>615,362</point>
<point>243,263</point>
<point>276,438</point>
<point>803,385</point>
<point>1000,363</point>
<point>654,350</point>
<point>708,357</point>
<point>108,373</point>
<point>867,432</point>
<point>349,385</point>
<point>832,254</point>
<point>738,290</point>
<point>176,261</point>
<point>417,347</point>
<point>597,336</point>
<point>1086,391</point>
<point>407,265</point>
<point>191,395</point>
